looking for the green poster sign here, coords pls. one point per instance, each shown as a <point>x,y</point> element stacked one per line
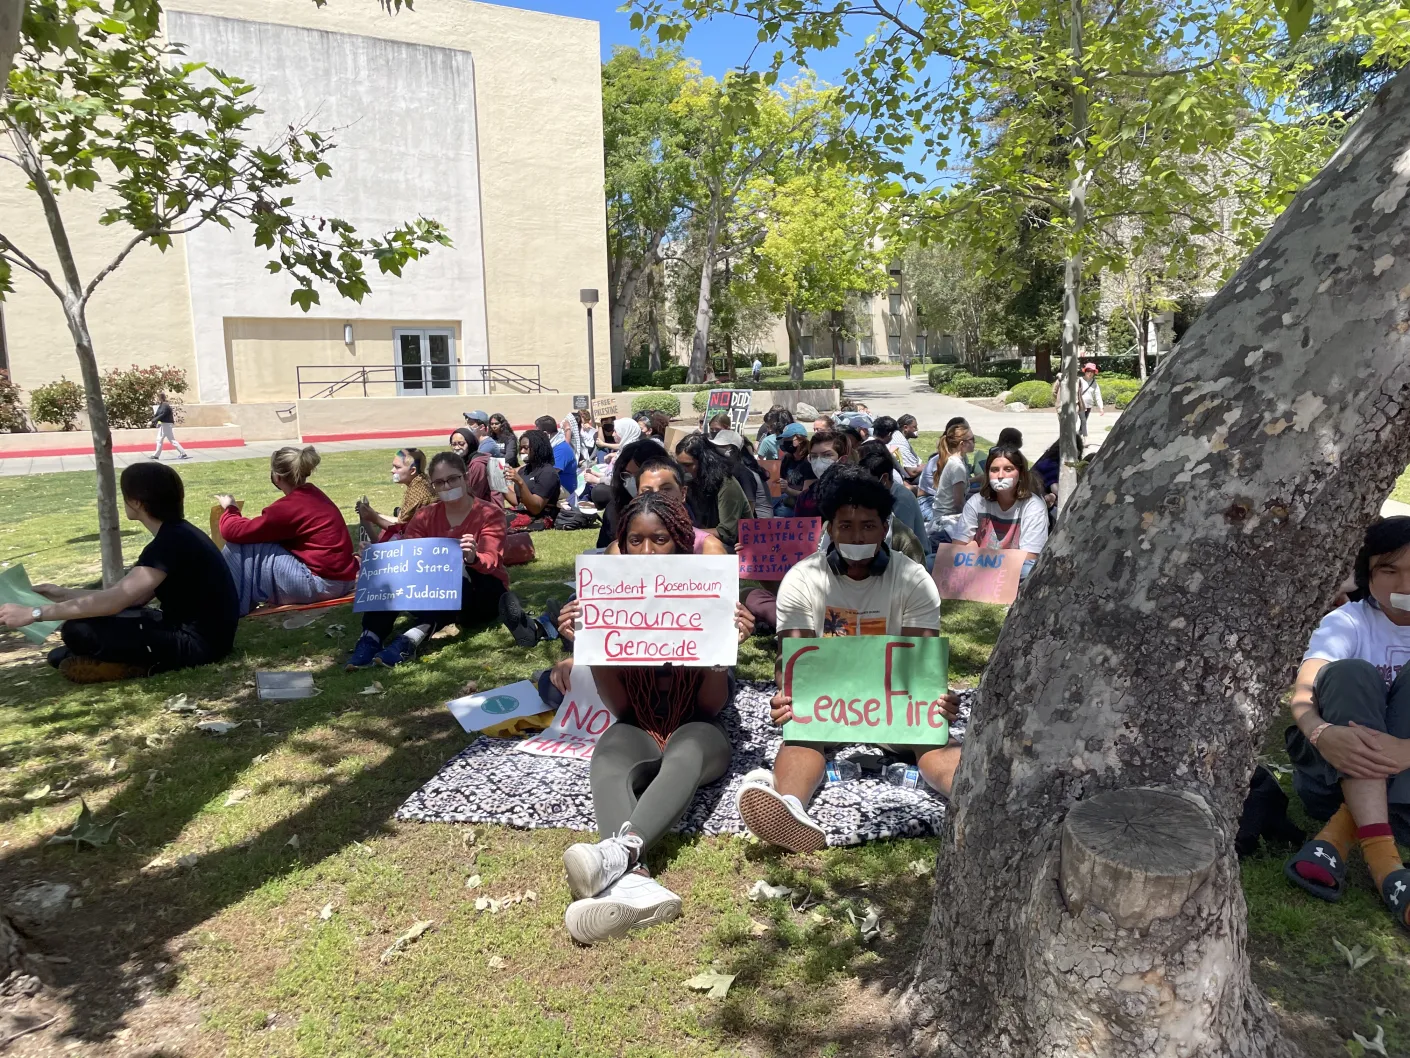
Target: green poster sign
<point>14,587</point>
<point>878,689</point>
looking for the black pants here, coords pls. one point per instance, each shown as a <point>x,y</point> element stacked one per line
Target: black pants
<point>139,636</point>
<point>1345,691</point>
<point>1083,411</point>
<point>479,603</point>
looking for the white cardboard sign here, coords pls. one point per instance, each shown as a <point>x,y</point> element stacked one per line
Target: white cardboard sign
<point>576,726</point>
<point>657,610</point>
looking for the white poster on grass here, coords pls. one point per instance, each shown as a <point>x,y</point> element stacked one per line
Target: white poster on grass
<point>657,610</point>
<point>576,726</point>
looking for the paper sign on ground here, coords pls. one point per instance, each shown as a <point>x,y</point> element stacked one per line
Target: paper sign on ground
<point>770,547</point>
<point>420,574</point>
<point>734,401</point>
<point>977,574</point>
<point>658,609</point>
<point>577,725</point>
<point>15,587</point>
<point>475,712</point>
<point>770,466</point>
<point>874,689</point>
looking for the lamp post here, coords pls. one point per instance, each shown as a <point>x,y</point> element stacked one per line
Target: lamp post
<point>588,296</point>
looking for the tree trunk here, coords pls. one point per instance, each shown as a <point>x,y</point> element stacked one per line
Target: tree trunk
<point>11,15</point>
<point>1043,361</point>
<point>1163,621</point>
<point>793,324</point>
<point>624,277</point>
<point>1068,410</point>
<point>1143,342</point>
<point>617,340</point>
<point>700,341</point>
<point>653,328</point>
<point>837,317</point>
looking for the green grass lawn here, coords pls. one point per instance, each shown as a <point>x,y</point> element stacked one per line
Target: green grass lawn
<point>202,928</point>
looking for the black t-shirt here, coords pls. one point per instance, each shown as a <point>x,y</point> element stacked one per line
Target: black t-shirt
<point>543,482</point>
<point>198,592</point>
<point>796,472</point>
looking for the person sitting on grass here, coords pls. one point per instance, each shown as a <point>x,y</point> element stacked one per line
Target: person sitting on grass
<point>564,458</point>
<point>666,744</point>
<point>409,471</point>
<point>534,485</point>
<point>1004,514</point>
<point>826,449</point>
<point>298,549</point>
<point>793,470</point>
<point>503,433</point>
<point>877,458</point>
<point>478,529</point>
<point>946,475</point>
<point>112,634</point>
<point>1350,743</point>
<point>858,586</point>
<point>479,423</point>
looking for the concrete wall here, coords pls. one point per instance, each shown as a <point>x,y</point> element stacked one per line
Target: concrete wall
<point>419,416</point>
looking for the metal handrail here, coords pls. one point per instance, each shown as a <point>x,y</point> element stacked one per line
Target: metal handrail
<point>524,377</point>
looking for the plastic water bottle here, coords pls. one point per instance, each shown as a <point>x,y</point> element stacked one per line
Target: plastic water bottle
<point>843,771</point>
<point>906,776</point>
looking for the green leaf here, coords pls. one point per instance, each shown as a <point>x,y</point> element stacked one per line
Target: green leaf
<point>716,984</point>
<point>1296,14</point>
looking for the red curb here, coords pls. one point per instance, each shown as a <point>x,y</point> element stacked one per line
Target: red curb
<point>25,453</point>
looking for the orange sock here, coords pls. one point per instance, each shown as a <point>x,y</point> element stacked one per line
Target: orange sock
<point>1378,846</point>
<point>1340,833</point>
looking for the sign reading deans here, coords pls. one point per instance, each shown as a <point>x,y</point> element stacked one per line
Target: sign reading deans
<point>875,689</point>
<point>733,401</point>
<point>977,574</point>
<point>421,574</point>
<point>654,610</point>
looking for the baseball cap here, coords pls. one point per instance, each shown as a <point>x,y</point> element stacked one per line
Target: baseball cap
<point>795,429</point>
<point>727,439</point>
<point>478,416</point>
<point>860,422</point>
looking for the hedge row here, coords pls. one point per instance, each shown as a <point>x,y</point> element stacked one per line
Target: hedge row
<point>971,386</point>
<point>765,384</point>
<point>657,401</point>
<point>1035,393</point>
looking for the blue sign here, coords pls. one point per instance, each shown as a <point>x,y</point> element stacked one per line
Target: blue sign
<point>423,574</point>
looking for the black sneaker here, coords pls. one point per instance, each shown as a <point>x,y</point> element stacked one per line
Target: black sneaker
<point>521,626</point>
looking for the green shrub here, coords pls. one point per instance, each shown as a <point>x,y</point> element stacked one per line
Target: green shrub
<point>130,393</point>
<point>1035,393</point>
<point>657,401</point>
<point>669,376</point>
<point>1119,392</point>
<point>700,399</point>
<point>943,373</point>
<point>970,386</point>
<point>767,384</point>
<point>57,403</point>
<point>11,406</point>
<point>822,363</point>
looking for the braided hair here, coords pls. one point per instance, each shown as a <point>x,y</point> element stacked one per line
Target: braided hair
<point>670,513</point>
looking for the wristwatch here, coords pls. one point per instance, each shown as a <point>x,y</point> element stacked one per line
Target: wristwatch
<point>36,612</point>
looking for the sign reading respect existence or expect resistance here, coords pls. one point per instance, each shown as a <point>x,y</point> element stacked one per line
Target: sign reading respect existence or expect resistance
<point>734,401</point>
<point>657,609</point>
<point>423,574</point>
<point>876,689</point>
<point>770,547</point>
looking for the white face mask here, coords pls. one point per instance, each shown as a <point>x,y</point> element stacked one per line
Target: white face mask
<point>857,552</point>
<point>1400,602</point>
<point>396,477</point>
<point>821,463</point>
<point>630,486</point>
<point>451,495</point>
<point>1002,484</point>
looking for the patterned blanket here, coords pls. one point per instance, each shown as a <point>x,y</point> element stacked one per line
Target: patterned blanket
<point>491,782</point>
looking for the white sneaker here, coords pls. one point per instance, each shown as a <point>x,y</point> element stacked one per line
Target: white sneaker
<point>593,867</point>
<point>776,818</point>
<point>632,902</point>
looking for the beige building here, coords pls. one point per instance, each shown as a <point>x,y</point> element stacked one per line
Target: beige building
<point>487,118</point>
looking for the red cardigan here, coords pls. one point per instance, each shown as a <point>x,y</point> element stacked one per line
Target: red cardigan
<point>484,520</point>
<point>307,524</point>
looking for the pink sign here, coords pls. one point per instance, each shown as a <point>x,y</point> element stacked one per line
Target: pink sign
<point>976,574</point>
<point>770,547</point>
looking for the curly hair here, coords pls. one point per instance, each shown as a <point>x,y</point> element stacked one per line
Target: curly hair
<point>671,514</point>
<point>540,451</point>
<point>850,485</point>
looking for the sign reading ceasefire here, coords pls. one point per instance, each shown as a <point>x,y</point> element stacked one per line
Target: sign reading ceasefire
<point>875,689</point>
<point>657,609</point>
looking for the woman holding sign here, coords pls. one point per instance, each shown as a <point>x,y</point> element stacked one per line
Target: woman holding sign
<point>857,587</point>
<point>477,528</point>
<point>1005,514</point>
<point>646,767</point>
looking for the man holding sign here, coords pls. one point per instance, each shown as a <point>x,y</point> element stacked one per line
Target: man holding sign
<point>459,522</point>
<point>858,587</point>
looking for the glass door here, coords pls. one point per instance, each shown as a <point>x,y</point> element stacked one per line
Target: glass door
<point>425,363</point>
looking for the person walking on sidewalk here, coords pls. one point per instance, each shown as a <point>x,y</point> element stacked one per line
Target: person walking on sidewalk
<point>163,418</point>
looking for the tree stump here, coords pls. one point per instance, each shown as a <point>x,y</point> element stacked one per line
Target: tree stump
<point>1137,855</point>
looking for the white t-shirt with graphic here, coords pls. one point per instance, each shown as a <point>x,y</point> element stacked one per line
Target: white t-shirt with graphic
<point>1361,630</point>
<point>815,599</point>
<point>1024,526</point>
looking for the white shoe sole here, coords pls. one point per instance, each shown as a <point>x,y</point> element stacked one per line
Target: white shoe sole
<point>766,814</point>
<point>593,920</point>
<point>584,871</point>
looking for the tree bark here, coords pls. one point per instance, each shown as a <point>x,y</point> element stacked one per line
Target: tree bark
<point>653,325</point>
<point>700,340</point>
<point>11,15</point>
<point>793,324</point>
<point>1043,361</point>
<point>1163,621</point>
<point>1068,409</point>
<point>623,280</point>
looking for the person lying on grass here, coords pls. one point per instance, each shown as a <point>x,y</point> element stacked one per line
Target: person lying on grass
<point>113,634</point>
<point>297,550</point>
<point>858,586</point>
<point>1350,746</point>
<point>646,767</point>
<point>477,528</point>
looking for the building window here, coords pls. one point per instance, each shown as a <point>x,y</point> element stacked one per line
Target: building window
<point>895,306</point>
<point>805,343</point>
<point>920,346</point>
<point>426,363</point>
<point>893,348</point>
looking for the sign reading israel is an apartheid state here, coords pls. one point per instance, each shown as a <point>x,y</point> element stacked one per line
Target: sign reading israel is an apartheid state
<point>875,689</point>
<point>656,609</point>
<point>421,574</point>
<point>770,547</point>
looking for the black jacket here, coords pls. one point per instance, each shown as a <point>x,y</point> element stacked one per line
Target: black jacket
<point>163,414</point>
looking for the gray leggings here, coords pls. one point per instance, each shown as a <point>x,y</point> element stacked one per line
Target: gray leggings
<point>634,780</point>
